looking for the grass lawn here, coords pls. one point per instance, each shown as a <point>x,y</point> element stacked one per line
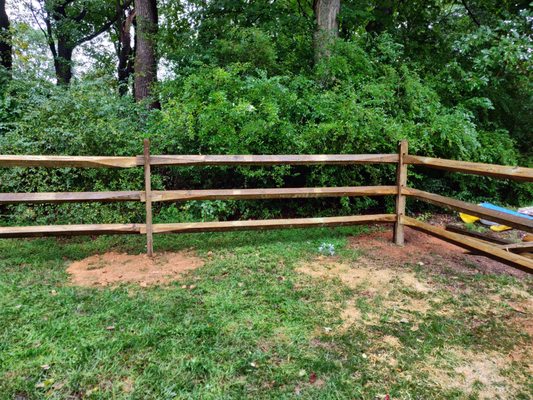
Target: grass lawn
<point>261,320</point>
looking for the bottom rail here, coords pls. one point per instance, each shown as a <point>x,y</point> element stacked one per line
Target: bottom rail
<point>487,249</point>
<point>69,230</point>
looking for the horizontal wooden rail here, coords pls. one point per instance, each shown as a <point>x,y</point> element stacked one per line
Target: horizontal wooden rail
<point>497,171</point>
<point>279,193</point>
<point>477,235</point>
<point>271,224</point>
<point>69,230</point>
<point>274,159</point>
<point>69,197</point>
<point>68,161</point>
<point>472,244</point>
<point>472,209</point>
<point>522,247</point>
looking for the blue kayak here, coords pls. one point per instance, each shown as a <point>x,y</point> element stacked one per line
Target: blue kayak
<point>491,206</point>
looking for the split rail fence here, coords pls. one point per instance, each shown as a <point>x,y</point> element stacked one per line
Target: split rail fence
<point>518,256</point>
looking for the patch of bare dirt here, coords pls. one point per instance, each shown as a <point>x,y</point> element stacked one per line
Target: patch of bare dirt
<point>471,373</point>
<point>424,249</point>
<point>112,269</point>
<point>361,274</point>
<point>371,282</point>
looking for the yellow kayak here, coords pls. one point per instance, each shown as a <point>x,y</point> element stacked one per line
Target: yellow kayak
<point>468,219</point>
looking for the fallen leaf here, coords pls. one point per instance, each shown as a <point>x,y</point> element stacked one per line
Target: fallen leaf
<point>302,372</point>
<point>312,378</point>
<point>45,367</point>
<point>110,327</point>
<point>45,384</point>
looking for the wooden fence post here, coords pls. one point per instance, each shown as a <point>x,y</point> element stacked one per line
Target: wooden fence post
<point>148,198</point>
<point>401,182</point>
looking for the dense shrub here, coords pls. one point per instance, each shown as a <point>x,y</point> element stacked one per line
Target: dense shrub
<point>360,100</point>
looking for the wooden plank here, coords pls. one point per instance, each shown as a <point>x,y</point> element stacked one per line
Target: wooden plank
<point>69,230</point>
<point>272,224</point>
<point>472,244</point>
<point>68,197</point>
<point>401,182</point>
<point>477,235</point>
<point>279,193</point>
<point>496,171</point>
<point>472,209</point>
<point>522,247</point>
<point>310,159</point>
<point>148,199</point>
<point>67,161</point>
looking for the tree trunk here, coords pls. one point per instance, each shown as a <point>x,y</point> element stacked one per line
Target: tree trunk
<point>145,52</point>
<point>327,26</point>
<point>63,62</point>
<point>6,59</point>
<point>125,53</point>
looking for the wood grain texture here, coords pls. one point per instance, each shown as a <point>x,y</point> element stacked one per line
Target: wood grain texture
<point>277,193</point>
<point>401,183</point>
<point>69,197</point>
<point>472,244</point>
<point>271,224</point>
<point>472,209</point>
<point>274,159</point>
<point>477,235</point>
<point>522,247</point>
<point>69,230</point>
<point>68,161</point>
<point>148,199</point>
<point>493,170</point>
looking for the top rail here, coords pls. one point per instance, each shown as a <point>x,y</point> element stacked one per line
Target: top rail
<point>68,161</point>
<point>304,159</point>
<point>494,170</point>
<point>187,160</point>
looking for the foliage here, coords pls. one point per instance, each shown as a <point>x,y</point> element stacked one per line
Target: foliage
<point>239,79</point>
<point>85,120</point>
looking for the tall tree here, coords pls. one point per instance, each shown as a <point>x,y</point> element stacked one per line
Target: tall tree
<point>70,23</point>
<point>125,51</point>
<point>6,59</point>
<point>327,25</point>
<point>145,49</point>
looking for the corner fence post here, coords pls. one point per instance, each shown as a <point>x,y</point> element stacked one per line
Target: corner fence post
<point>148,199</point>
<point>401,182</point>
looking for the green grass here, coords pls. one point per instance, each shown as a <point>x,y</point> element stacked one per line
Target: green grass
<point>252,327</point>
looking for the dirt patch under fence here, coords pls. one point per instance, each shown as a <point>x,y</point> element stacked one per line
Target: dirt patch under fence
<point>424,249</point>
<point>112,269</point>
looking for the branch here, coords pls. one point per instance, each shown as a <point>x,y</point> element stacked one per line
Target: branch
<point>104,27</point>
<point>48,33</point>
<point>470,13</point>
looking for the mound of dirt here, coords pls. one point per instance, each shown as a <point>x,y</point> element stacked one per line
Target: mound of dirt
<point>112,269</point>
